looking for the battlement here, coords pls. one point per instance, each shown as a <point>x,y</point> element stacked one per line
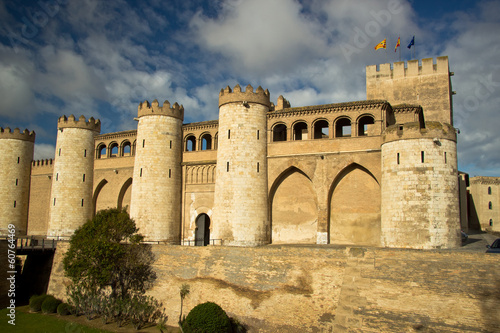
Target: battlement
<point>283,103</point>
<point>71,122</point>
<point>146,109</point>
<point>237,96</point>
<point>410,69</point>
<point>6,133</point>
<point>414,130</point>
<point>41,163</point>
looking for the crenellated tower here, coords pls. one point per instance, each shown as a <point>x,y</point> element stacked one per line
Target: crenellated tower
<point>72,180</point>
<point>420,203</point>
<point>427,84</point>
<point>156,188</point>
<point>240,199</point>
<point>16,151</point>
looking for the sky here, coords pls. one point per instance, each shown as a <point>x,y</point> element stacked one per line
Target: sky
<point>102,58</point>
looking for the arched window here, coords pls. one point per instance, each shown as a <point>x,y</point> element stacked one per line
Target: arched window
<point>113,149</point>
<point>101,151</point>
<point>300,131</point>
<point>489,189</point>
<point>126,148</point>
<point>363,123</point>
<point>343,128</point>
<point>191,143</point>
<point>279,132</point>
<point>321,130</point>
<point>206,142</point>
<point>490,206</point>
<point>491,222</point>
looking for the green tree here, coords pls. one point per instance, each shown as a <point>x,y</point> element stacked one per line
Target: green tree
<point>107,252</point>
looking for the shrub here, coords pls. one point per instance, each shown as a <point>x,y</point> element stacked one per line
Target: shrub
<point>36,302</point>
<point>63,309</point>
<point>207,317</point>
<point>50,304</point>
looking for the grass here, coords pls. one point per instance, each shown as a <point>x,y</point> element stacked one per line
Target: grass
<point>53,323</point>
<point>40,323</point>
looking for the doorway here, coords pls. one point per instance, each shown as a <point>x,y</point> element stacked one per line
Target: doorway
<point>202,234</point>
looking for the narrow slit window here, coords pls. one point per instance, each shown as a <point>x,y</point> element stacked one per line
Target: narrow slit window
<point>491,222</point>
<point>15,203</point>
<point>398,158</point>
<point>229,134</point>
<point>59,151</point>
<point>258,134</point>
<point>17,182</point>
<point>258,166</point>
<point>143,142</point>
<point>489,189</point>
<point>140,173</point>
<point>85,153</point>
<point>227,166</point>
<point>169,173</point>
<point>170,144</point>
<point>54,201</point>
<point>445,159</point>
<point>490,206</point>
<point>82,202</point>
<point>18,160</point>
<point>57,177</point>
<point>422,156</point>
<point>84,178</point>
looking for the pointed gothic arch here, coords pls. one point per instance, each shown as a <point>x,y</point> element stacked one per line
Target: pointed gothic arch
<point>293,208</point>
<point>354,207</point>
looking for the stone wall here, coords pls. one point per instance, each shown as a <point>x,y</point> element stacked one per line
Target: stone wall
<point>329,288</point>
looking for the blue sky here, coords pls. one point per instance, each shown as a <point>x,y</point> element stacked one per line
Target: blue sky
<point>101,58</point>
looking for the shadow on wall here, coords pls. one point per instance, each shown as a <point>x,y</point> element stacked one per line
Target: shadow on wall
<point>35,276</point>
<point>473,218</point>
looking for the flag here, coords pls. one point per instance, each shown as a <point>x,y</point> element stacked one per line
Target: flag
<point>381,45</point>
<point>397,44</point>
<point>412,42</point>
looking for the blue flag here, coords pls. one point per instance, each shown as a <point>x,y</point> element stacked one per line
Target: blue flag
<point>412,42</point>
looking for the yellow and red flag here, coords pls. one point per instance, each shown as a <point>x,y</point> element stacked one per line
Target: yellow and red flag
<point>397,44</point>
<point>381,45</point>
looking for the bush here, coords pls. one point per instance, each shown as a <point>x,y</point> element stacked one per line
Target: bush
<point>50,304</point>
<point>63,309</point>
<point>36,302</point>
<point>207,317</point>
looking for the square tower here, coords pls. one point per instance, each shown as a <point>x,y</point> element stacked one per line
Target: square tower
<point>428,85</point>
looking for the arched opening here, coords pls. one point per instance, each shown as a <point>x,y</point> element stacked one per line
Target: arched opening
<point>125,195</point>
<point>101,151</point>
<point>354,208</point>
<point>96,200</point>
<point>216,141</point>
<point>321,130</point>
<point>279,132</point>
<point>202,233</point>
<point>300,131</point>
<point>489,189</point>
<point>113,149</point>
<point>190,143</point>
<point>206,142</point>
<point>294,209</point>
<point>126,148</point>
<point>343,128</point>
<point>363,125</point>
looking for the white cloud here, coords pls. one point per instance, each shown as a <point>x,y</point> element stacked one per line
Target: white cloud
<point>44,151</point>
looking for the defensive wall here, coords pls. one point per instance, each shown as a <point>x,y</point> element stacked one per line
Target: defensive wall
<point>293,288</point>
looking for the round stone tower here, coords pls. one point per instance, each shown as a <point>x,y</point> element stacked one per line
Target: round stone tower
<point>240,199</point>
<point>156,189</point>
<point>16,151</point>
<point>72,181</point>
<point>420,203</point>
